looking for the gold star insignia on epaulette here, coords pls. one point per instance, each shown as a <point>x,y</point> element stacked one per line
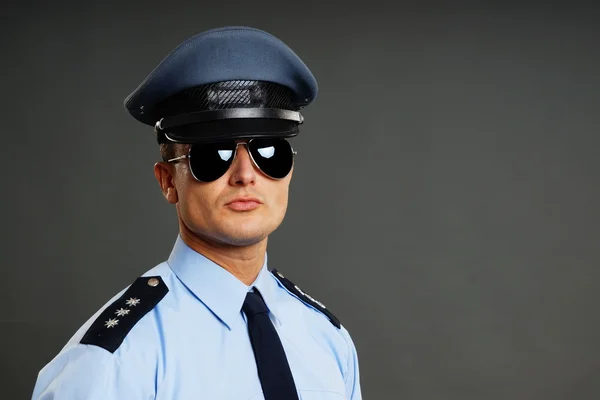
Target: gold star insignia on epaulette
<point>111,323</point>
<point>121,312</point>
<point>132,302</point>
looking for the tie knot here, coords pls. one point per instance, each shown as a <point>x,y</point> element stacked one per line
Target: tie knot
<point>254,304</point>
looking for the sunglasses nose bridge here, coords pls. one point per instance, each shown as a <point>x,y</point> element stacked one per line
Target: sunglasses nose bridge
<point>241,143</point>
<point>252,161</point>
<point>236,150</point>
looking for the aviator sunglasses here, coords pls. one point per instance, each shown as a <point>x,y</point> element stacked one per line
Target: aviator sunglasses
<point>274,157</point>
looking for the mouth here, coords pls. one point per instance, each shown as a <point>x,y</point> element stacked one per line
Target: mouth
<point>244,204</point>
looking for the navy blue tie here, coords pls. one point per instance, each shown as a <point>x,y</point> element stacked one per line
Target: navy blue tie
<point>273,368</point>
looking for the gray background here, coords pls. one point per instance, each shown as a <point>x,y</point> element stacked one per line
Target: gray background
<point>444,203</point>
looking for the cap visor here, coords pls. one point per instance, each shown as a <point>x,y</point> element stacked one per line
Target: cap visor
<point>232,129</point>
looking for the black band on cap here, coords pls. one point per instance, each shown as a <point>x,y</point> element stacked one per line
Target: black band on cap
<point>226,129</point>
<point>232,113</point>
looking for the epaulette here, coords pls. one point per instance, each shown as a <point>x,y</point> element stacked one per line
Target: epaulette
<point>308,299</point>
<point>114,323</point>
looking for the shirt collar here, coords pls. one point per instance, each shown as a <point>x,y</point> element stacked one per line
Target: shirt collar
<point>266,284</point>
<point>214,286</point>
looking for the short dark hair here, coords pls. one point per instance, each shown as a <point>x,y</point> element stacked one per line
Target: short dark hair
<point>171,150</point>
<point>167,151</point>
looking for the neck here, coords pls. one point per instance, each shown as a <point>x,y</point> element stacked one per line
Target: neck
<point>243,262</point>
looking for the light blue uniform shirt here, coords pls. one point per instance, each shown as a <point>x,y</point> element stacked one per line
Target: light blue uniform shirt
<point>194,344</point>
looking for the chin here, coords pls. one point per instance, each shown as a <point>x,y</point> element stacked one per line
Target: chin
<point>246,234</point>
<point>243,241</point>
<point>242,237</point>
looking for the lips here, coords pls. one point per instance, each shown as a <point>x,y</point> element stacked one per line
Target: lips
<point>244,203</point>
<point>245,200</point>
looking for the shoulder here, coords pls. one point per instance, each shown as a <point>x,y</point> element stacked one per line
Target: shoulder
<point>126,314</point>
<point>325,326</point>
<point>306,298</point>
<point>114,323</point>
<point>110,350</point>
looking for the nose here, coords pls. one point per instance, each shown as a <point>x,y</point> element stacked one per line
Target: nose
<point>243,171</point>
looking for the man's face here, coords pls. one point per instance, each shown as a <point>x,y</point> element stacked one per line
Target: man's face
<point>209,211</point>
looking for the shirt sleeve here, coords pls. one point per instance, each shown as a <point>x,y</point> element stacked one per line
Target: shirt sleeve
<point>91,373</point>
<point>352,378</point>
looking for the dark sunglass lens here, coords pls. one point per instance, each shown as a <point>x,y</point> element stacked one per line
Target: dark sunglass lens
<point>209,161</point>
<point>273,156</point>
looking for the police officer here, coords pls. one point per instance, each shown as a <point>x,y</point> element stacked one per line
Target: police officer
<point>213,321</point>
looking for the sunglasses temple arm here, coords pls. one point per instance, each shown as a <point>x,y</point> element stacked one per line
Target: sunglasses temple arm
<point>177,158</point>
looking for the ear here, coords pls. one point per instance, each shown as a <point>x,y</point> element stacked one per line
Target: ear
<point>164,175</point>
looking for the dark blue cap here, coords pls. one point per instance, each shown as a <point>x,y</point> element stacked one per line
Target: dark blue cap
<point>225,83</point>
